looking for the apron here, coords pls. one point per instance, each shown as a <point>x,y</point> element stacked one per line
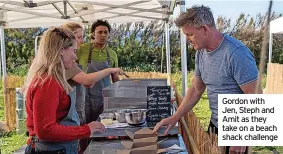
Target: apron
<point>80,101</point>
<point>70,147</point>
<point>80,107</point>
<point>93,97</point>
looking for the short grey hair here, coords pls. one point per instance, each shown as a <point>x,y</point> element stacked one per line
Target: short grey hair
<point>196,16</point>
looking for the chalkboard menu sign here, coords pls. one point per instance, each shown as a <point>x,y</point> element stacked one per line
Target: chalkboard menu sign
<point>158,103</point>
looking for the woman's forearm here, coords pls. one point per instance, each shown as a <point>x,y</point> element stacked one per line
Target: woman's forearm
<point>91,78</point>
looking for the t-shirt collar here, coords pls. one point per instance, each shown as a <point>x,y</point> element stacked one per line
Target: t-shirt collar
<point>103,50</point>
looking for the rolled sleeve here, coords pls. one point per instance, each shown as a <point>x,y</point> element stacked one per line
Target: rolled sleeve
<point>71,72</point>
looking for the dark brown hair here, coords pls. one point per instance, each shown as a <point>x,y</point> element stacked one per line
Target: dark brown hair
<point>100,23</point>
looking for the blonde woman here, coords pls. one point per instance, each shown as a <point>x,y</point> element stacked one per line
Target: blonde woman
<point>52,120</point>
<point>76,77</point>
<point>77,29</point>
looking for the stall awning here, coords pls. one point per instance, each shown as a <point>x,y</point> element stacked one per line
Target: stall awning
<point>45,13</point>
<point>276,25</point>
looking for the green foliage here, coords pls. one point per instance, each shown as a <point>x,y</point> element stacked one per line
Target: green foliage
<point>143,43</point>
<point>21,70</point>
<point>141,46</point>
<point>10,142</point>
<point>20,49</point>
<point>251,31</point>
<point>201,109</point>
<point>263,81</point>
<point>267,150</point>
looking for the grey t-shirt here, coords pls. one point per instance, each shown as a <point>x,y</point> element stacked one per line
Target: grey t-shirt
<point>224,70</point>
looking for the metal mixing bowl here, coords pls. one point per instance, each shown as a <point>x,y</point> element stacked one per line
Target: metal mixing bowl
<point>136,116</point>
<point>120,115</point>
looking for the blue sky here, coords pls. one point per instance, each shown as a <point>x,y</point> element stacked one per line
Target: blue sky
<point>232,8</point>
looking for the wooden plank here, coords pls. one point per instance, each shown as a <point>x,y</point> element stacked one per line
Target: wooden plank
<point>12,82</point>
<point>274,79</point>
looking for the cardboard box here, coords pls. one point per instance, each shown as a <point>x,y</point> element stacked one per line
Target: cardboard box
<point>142,133</point>
<point>133,145</point>
<point>152,149</point>
<point>143,142</point>
<point>147,139</point>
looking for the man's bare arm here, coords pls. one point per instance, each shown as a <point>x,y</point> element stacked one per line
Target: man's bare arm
<point>191,98</point>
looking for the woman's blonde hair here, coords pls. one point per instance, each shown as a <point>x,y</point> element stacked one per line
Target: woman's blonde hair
<point>72,26</point>
<point>48,63</point>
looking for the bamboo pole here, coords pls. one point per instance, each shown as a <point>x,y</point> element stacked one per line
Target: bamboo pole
<point>263,57</point>
<point>191,140</point>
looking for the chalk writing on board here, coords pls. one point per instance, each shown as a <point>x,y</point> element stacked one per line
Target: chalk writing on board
<point>158,103</point>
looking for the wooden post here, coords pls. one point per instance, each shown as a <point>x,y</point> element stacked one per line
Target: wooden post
<point>10,99</point>
<point>274,79</point>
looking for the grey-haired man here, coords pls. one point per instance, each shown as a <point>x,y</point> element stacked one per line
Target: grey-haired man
<point>223,65</point>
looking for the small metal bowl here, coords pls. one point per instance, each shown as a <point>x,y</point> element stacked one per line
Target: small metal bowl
<point>136,116</point>
<point>120,115</point>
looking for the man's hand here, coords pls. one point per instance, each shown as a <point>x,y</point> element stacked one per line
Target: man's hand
<point>169,122</point>
<point>237,150</point>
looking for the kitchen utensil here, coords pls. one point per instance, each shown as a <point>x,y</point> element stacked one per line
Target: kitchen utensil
<point>136,116</point>
<point>126,75</point>
<point>120,115</point>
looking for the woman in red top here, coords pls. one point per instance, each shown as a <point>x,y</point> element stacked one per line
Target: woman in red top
<point>78,79</point>
<point>52,120</point>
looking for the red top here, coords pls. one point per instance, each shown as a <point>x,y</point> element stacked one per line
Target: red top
<point>46,107</point>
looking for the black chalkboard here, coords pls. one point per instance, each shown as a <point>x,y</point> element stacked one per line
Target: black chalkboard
<point>158,103</point>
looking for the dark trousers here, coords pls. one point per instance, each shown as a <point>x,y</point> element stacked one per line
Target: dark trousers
<point>83,143</point>
<point>212,128</point>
